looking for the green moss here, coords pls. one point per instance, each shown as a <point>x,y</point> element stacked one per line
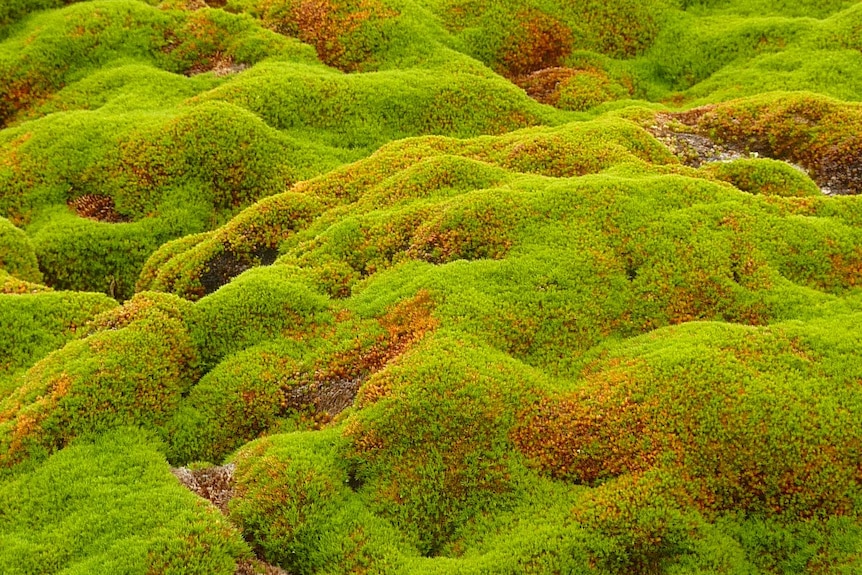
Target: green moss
<point>81,254</point>
<point>436,286</point>
<point>110,505</point>
<point>305,516</point>
<point>193,269</point>
<point>35,324</point>
<point>367,110</point>
<point>764,177</point>
<point>129,373</point>
<point>737,449</point>
<point>587,89</point>
<point>747,7</point>
<point>260,304</point>
<point>292,383</point>
<point>9,284</point>
<point>17,256</point>
<point>430,445</point>
<point>91,34</point>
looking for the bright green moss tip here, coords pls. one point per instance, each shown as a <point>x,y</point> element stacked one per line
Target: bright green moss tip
<point>17,256</point>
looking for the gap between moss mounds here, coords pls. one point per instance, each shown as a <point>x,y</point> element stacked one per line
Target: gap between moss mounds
<point>215,484</point>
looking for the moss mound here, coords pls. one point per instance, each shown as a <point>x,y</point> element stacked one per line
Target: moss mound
<point>111,505</point>
<point>131,371</point>
<point>732,443</point>
<point>764,176</point>
<point>38,322</point>
<point>17,256</point>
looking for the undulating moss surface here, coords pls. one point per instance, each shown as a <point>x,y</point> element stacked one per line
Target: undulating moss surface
<point>110,505</point>
<point>430,286</point>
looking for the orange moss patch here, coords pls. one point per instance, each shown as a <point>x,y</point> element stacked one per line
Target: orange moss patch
<point>341,31</point>
<point>406,323</point>
<point>577,437</point>
<point>26,422</point>
<point>540,41</point>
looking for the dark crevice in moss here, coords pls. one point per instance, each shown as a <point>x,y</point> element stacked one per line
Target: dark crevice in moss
<point>227,264</point>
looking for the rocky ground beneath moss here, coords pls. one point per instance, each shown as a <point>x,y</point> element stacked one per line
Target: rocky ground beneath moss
<point>685,143</point>
<point>215,484</point>
<point>257,567</point>
<point>679,132</point>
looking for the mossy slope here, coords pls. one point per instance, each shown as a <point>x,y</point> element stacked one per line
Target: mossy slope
<point>455,287</point>
<point>111,505</point>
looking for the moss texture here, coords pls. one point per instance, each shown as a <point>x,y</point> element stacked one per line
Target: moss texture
<point>440,286</point>
<point>111,505</point>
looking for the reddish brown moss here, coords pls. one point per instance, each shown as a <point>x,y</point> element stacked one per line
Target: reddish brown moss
<point>543,85</point>
<point>342,31</point>
<point>577,437</point>
<point>96,207</point>
<point>539,41</point>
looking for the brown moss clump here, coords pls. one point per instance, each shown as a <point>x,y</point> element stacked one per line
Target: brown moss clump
<point>539,41</point>
<point>345,33</point>
<point>543,85</point>
<point>571,88</point>
<point>215,484</point>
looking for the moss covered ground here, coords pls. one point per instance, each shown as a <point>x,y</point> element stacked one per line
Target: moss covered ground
<point>432,286</point>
